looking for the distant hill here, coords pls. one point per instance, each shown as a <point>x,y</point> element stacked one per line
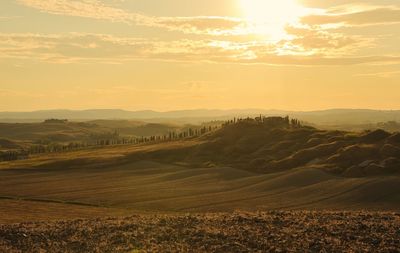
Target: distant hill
<point>347,116</point>
<point>8,145</point>
<point>325,117</point>
<point>122,114</point>
<point>64,131</point>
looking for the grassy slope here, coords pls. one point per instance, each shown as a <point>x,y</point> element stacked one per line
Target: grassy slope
<point>262,149</point>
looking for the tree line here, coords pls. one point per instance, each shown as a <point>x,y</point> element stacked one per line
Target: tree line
<point>111,139</point>
<point>102,140</point>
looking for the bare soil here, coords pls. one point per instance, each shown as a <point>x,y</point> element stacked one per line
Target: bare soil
<point>274,231</point>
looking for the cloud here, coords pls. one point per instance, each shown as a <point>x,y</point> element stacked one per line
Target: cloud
<point>96,9</point>
<point>369,16</point>
<point>321,34</point>
<point>305,40</point>
<point>327,61</point>
<point>81,8</point>
<point>99,48</point>
<point>203,25</point>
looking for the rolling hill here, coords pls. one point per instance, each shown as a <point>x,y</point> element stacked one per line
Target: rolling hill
<point>246,165</point>
<point>262,148</point>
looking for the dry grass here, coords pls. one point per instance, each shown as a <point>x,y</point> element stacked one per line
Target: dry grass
<point>239,232</point>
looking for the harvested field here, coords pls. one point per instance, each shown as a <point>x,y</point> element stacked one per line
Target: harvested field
<point>149,186</point>
<point>17,211</point>
<point>274,231</point>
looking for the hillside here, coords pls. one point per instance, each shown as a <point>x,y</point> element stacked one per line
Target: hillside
<point>55,132</point>
<point>262,148</point>
<point>6,144</point>
<point>246,165</point>
<point>269,145</point>
<point>389,126</point>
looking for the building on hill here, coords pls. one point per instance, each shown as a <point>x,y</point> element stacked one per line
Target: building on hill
<point>276,121</point>
<point>272,121</point>
<point>52,121</point>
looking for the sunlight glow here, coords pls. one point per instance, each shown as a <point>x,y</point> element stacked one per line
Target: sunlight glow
<point>269,17</point>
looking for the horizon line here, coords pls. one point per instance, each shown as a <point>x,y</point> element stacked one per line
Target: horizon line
<point>198,109</point>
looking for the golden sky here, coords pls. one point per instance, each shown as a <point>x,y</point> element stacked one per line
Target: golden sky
<point>186,54</point>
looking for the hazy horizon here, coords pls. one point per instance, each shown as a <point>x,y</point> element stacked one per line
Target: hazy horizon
<point>200,109</point>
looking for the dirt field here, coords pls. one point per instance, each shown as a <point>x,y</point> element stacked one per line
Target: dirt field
<point>273,231</point>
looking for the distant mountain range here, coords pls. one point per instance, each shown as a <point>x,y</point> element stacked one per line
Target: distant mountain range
<point>124,114</point>
<point>324,117</point>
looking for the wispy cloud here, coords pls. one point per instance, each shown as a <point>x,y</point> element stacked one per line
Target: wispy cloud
<point>96,9</point>
<point>81,8</point>
<point>89,48</point>
<point>317,39</point>
<point>309,42</point>
<point>203,25</point>
<point>380,15</point>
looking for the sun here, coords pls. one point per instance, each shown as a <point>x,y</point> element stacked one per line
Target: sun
<point>270,17</point>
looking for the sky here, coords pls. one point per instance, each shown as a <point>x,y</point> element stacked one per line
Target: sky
<point>190,54</point>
